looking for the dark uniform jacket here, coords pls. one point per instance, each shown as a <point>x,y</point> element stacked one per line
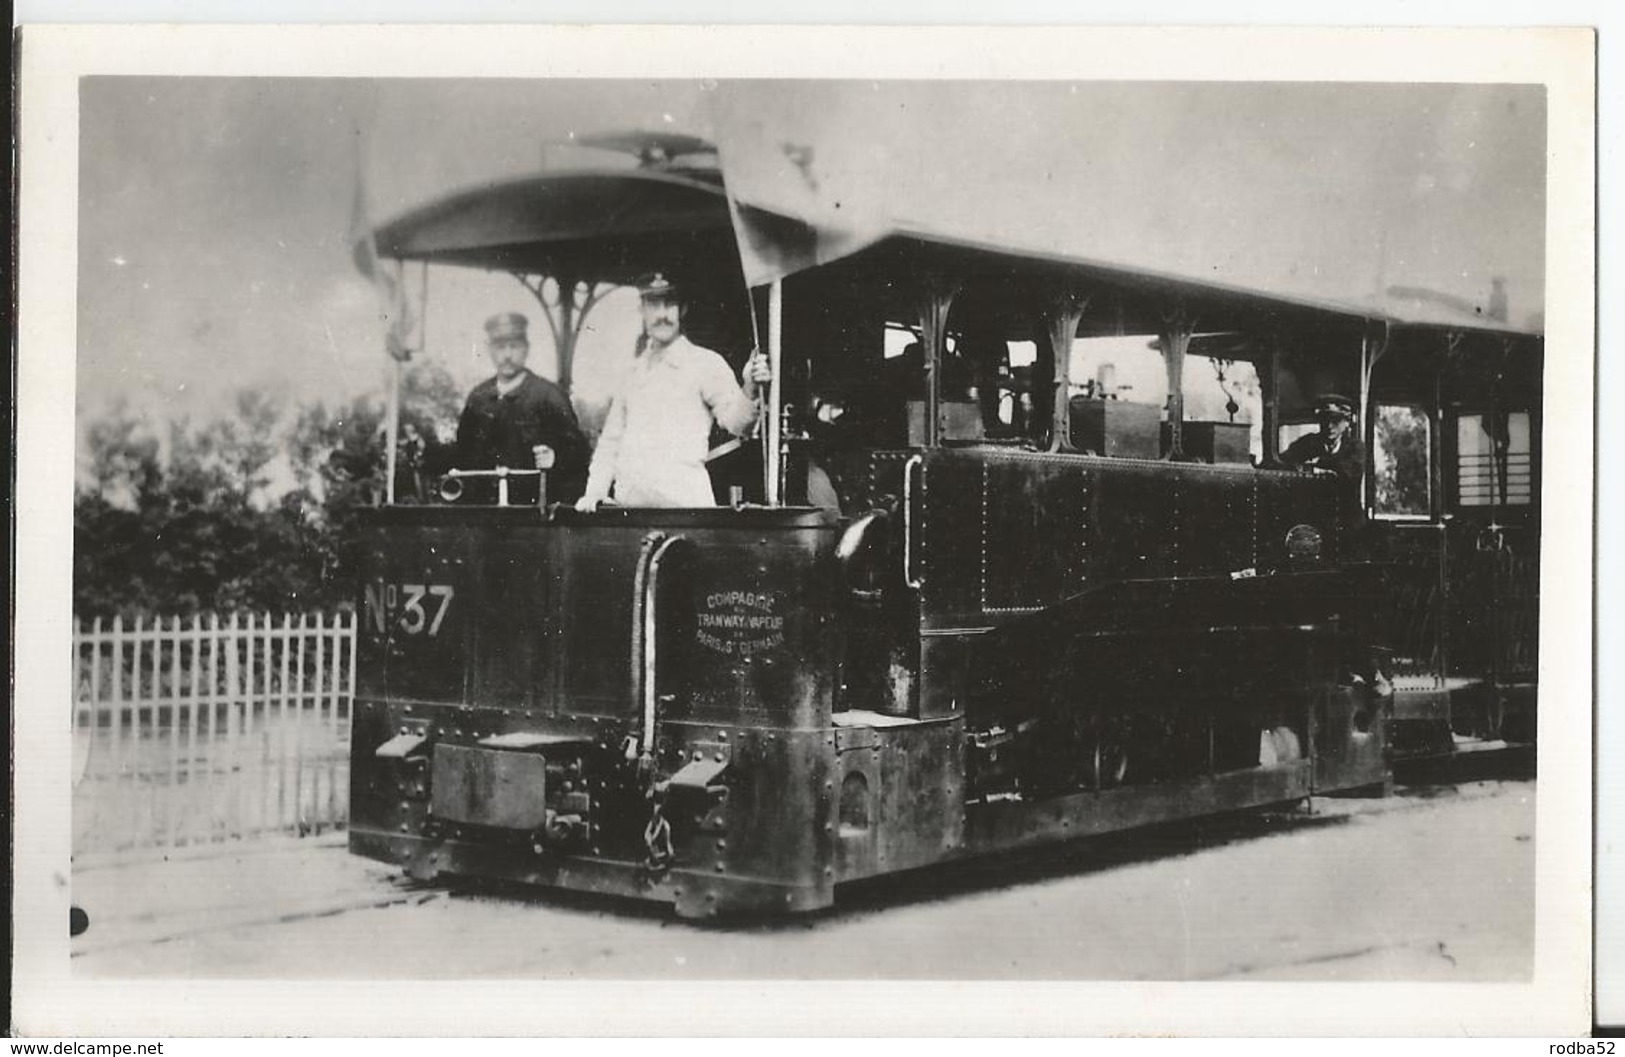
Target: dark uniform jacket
<point>501,429</point>
<point>1348,462</point>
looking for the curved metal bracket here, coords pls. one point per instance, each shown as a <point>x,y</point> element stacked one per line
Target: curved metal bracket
<point>565,311</point>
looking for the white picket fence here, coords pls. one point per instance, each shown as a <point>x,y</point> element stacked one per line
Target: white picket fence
<point>189,732</point>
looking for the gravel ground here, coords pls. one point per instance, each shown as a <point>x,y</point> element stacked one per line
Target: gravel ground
<point>1431,884</point>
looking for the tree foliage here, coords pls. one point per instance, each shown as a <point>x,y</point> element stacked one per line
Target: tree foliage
<point>1400,460</point>
<point>256,510</point>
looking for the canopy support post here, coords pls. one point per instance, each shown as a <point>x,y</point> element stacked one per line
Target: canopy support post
<point>1270,382</point>
<point>936,298</point>
<point>1436,442</point>
<point>564,343</point>
<point>1370,352</point>
<point>392,428</point>
<point>1175,340</point>
<point>1500,432</point>
<point>1061,317</point>
<point>772,448</point>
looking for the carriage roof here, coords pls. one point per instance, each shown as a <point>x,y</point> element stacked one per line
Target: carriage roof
<point>612,224</point>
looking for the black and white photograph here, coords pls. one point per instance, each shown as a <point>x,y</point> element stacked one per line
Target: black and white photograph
<point>575,519</point>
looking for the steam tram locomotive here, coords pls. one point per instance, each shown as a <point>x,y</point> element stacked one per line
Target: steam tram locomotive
<point>983,608</point>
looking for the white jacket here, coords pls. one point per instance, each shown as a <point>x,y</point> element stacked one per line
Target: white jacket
<point>658,430</point>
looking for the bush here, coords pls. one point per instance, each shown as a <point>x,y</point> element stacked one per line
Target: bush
<point>255,511</point>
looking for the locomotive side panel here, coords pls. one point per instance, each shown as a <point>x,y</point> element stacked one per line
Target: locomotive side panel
<point>1129,625</point>
<point>636,703</point>
<point>404,651</point>
<point>1294,515</point>
<point>998,534</point>
<point>595,573</point>
<point>457,612</point>
<point>759,638</point>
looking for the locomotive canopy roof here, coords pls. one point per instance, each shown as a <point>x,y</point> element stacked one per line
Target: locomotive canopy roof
<point>612,224</point>
<point>604,225</point>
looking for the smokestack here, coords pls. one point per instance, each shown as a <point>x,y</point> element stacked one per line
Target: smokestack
<point>1498,299</point>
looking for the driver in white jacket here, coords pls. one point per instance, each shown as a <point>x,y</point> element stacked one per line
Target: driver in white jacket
<point>658,431</point>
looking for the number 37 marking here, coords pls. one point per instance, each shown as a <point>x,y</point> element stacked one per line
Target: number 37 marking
<point>414,618</point>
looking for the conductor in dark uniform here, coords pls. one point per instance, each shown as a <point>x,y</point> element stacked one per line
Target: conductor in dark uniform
<point>520,420</point>
<point>1336,448</point>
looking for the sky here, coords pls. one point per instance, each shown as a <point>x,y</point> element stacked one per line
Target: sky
<point>215,212</point>
<point>1325,192</point>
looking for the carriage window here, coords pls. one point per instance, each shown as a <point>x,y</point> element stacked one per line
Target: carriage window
<point>1484,479</point>
<point>1400,459</point>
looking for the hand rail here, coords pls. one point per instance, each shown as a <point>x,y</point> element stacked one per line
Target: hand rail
<point>451,487</point>
<point>645,613</point>
<point>651,611</point>
<point>913,463</point>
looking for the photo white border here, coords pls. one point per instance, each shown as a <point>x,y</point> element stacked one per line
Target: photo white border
<point>48,1000</point>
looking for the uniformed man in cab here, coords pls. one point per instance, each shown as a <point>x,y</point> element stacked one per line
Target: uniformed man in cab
<point>520,420</point>
<point>1336,446</point>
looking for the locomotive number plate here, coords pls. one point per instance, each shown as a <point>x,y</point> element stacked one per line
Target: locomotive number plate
<point>415,609</point>
<point>488,787</point>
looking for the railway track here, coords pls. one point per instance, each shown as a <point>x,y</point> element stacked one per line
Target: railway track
<point>1256,895</point>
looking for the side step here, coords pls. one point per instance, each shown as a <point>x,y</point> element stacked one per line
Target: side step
<point>1474,760</point>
